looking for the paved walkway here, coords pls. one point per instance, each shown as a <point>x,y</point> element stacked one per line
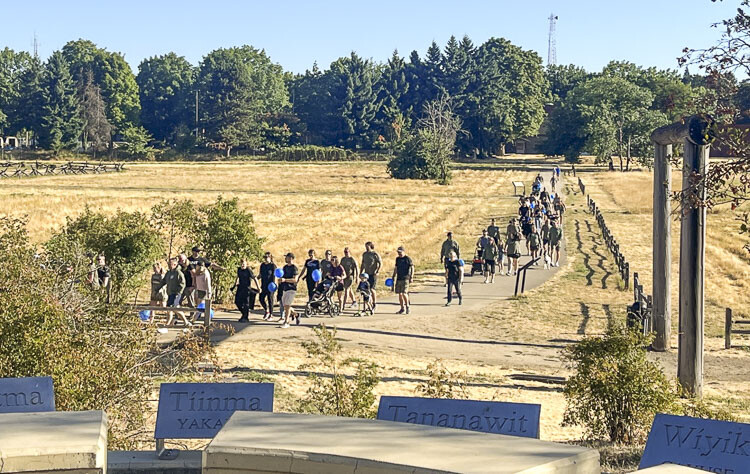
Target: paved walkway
<point>387,329</point>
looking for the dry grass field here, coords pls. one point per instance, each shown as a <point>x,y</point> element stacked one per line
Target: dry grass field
<point>296,206</point>
<point>299,206</point>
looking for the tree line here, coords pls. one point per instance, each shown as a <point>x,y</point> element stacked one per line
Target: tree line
<point>86,98</point>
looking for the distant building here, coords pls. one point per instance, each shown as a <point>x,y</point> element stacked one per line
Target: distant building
<point>532,145</point>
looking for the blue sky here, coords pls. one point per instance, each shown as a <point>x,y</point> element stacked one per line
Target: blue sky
<point>295,33</point>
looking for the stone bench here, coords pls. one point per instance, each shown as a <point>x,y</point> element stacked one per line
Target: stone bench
<point>253,442</point>
<point>73,442</point>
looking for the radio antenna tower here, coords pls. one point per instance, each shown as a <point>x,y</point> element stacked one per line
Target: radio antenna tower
<point>551,42</point>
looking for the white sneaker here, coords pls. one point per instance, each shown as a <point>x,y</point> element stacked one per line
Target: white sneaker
<point>284,326</point>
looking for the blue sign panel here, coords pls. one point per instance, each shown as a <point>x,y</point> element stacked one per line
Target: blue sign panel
<point>26,394</point>
<point>515,419</point>
<point>199,410</point>
<point>710,445</point>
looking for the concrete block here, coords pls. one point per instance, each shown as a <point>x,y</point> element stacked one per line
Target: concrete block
<point>53,441</point>
<point>146,462</point>
<point>670,469</point>
<point>290,443</point>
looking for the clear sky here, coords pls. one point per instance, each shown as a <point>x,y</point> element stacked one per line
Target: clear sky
<point>295,33</point>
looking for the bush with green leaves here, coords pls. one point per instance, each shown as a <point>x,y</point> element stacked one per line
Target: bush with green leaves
<point>127,240</point>
<point>227,234</point>
<point>615,390</point>
<point>337,393</point>
<point>442,383</point>
<point>99,356</point>
<point>427,153</point>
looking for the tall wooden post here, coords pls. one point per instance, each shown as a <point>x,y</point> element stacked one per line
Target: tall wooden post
<point>692,258</point>
<point>662,242</point>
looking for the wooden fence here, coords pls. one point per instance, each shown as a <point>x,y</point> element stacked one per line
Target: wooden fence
<point>16,169</point>
<point>622,264</point>
<point>729,329</point>
<point>641,310</point>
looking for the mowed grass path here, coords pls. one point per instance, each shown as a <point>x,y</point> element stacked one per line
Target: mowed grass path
<point>296,206</point>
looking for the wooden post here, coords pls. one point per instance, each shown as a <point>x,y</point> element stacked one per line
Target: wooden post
<point>728,329</point>
<point>692,259</point>
<point>662,242</point>
<point>207,314</point>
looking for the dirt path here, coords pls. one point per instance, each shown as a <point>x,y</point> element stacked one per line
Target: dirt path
<point>430,330</point>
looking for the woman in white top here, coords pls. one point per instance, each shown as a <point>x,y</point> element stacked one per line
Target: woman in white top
<point>202,283</point>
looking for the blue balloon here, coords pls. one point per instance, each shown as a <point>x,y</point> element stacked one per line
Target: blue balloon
<point>317,275</point>
<point>201,306</point>
<point>145,315</point>
<point>552,195</point>
<point>272,287</point>
<point>389,282</point>
<point>461,262</point>
<point>279,273</point>
<point>532,205</point>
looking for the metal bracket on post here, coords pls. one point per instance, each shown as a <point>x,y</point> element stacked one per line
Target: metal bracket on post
<point>164,453</point>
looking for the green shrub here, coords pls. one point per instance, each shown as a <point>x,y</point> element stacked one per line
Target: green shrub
<point>99,356</point>
<point>127,240</point>
<point>442,383</point>
<point>338,394</point>
<point>320,153</point>
<point>227,233</point>
<point>615,390</point>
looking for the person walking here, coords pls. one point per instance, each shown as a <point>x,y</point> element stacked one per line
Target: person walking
<point>501,257</point>
<point>371,263</point>
<point>196,258</point>
<point>311,264</point>
<point>513,252</point>
<point>352,270</point>
<point>174,283</point>
<point>403,275</point>
<point>266,273</point>
<point>338,275</point>
<point>493,231</point>
<point>288,287</point>
<point>555,237</point>
<point>448,246</point>
<point>559,206</point>
<point>326,264</point>
<point>454,273</point>
<point>202,280</point>
<point>535,243</point>
<point>490,254</point>
<point>158,292</point>
<point>244,297</point>
<point>484,240</point>
<point>188,294</point>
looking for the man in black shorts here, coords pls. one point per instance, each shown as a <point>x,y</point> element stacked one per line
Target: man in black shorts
<point>403,275</point>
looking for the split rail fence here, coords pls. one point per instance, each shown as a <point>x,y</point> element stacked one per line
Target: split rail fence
<point>15,169</point>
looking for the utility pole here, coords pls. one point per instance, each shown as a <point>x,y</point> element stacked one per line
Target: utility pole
<point>196,115</point>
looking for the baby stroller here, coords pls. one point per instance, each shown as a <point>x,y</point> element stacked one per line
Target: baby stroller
<point>322,300</point>
<point>477,265</point>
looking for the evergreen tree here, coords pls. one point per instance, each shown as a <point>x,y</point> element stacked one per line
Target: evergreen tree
<point>311,102</point>
<point>61,120</point>
<point>12,67</point>
<point>393,89</point>
<point>27,111</point>
<point>357,79</point>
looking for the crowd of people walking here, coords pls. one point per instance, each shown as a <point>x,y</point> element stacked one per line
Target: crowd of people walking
<point>332,283</point>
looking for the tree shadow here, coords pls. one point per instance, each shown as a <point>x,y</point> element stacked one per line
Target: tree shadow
<point>586,317</point>
<point>602,258</point>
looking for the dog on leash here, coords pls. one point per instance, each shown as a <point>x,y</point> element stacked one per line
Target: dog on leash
<point>547,262</point>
